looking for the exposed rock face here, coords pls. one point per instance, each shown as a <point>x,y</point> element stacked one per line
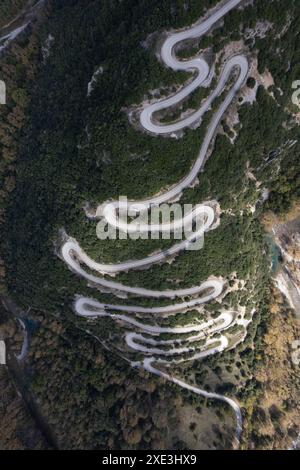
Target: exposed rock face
<point>18,430</point>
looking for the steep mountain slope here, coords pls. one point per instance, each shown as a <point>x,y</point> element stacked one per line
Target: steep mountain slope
<point>74,79</point>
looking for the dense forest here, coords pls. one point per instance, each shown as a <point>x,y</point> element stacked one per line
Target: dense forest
<point>61,148</point>
<point>9,10</point>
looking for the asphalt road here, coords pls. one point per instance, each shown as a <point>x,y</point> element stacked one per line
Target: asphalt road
<point>168,352</point>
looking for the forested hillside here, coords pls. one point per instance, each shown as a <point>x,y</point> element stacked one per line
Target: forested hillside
<point>9,9</point>
<point>62,147</point>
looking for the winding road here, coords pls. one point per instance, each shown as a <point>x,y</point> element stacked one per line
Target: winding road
<point>146,337</point>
